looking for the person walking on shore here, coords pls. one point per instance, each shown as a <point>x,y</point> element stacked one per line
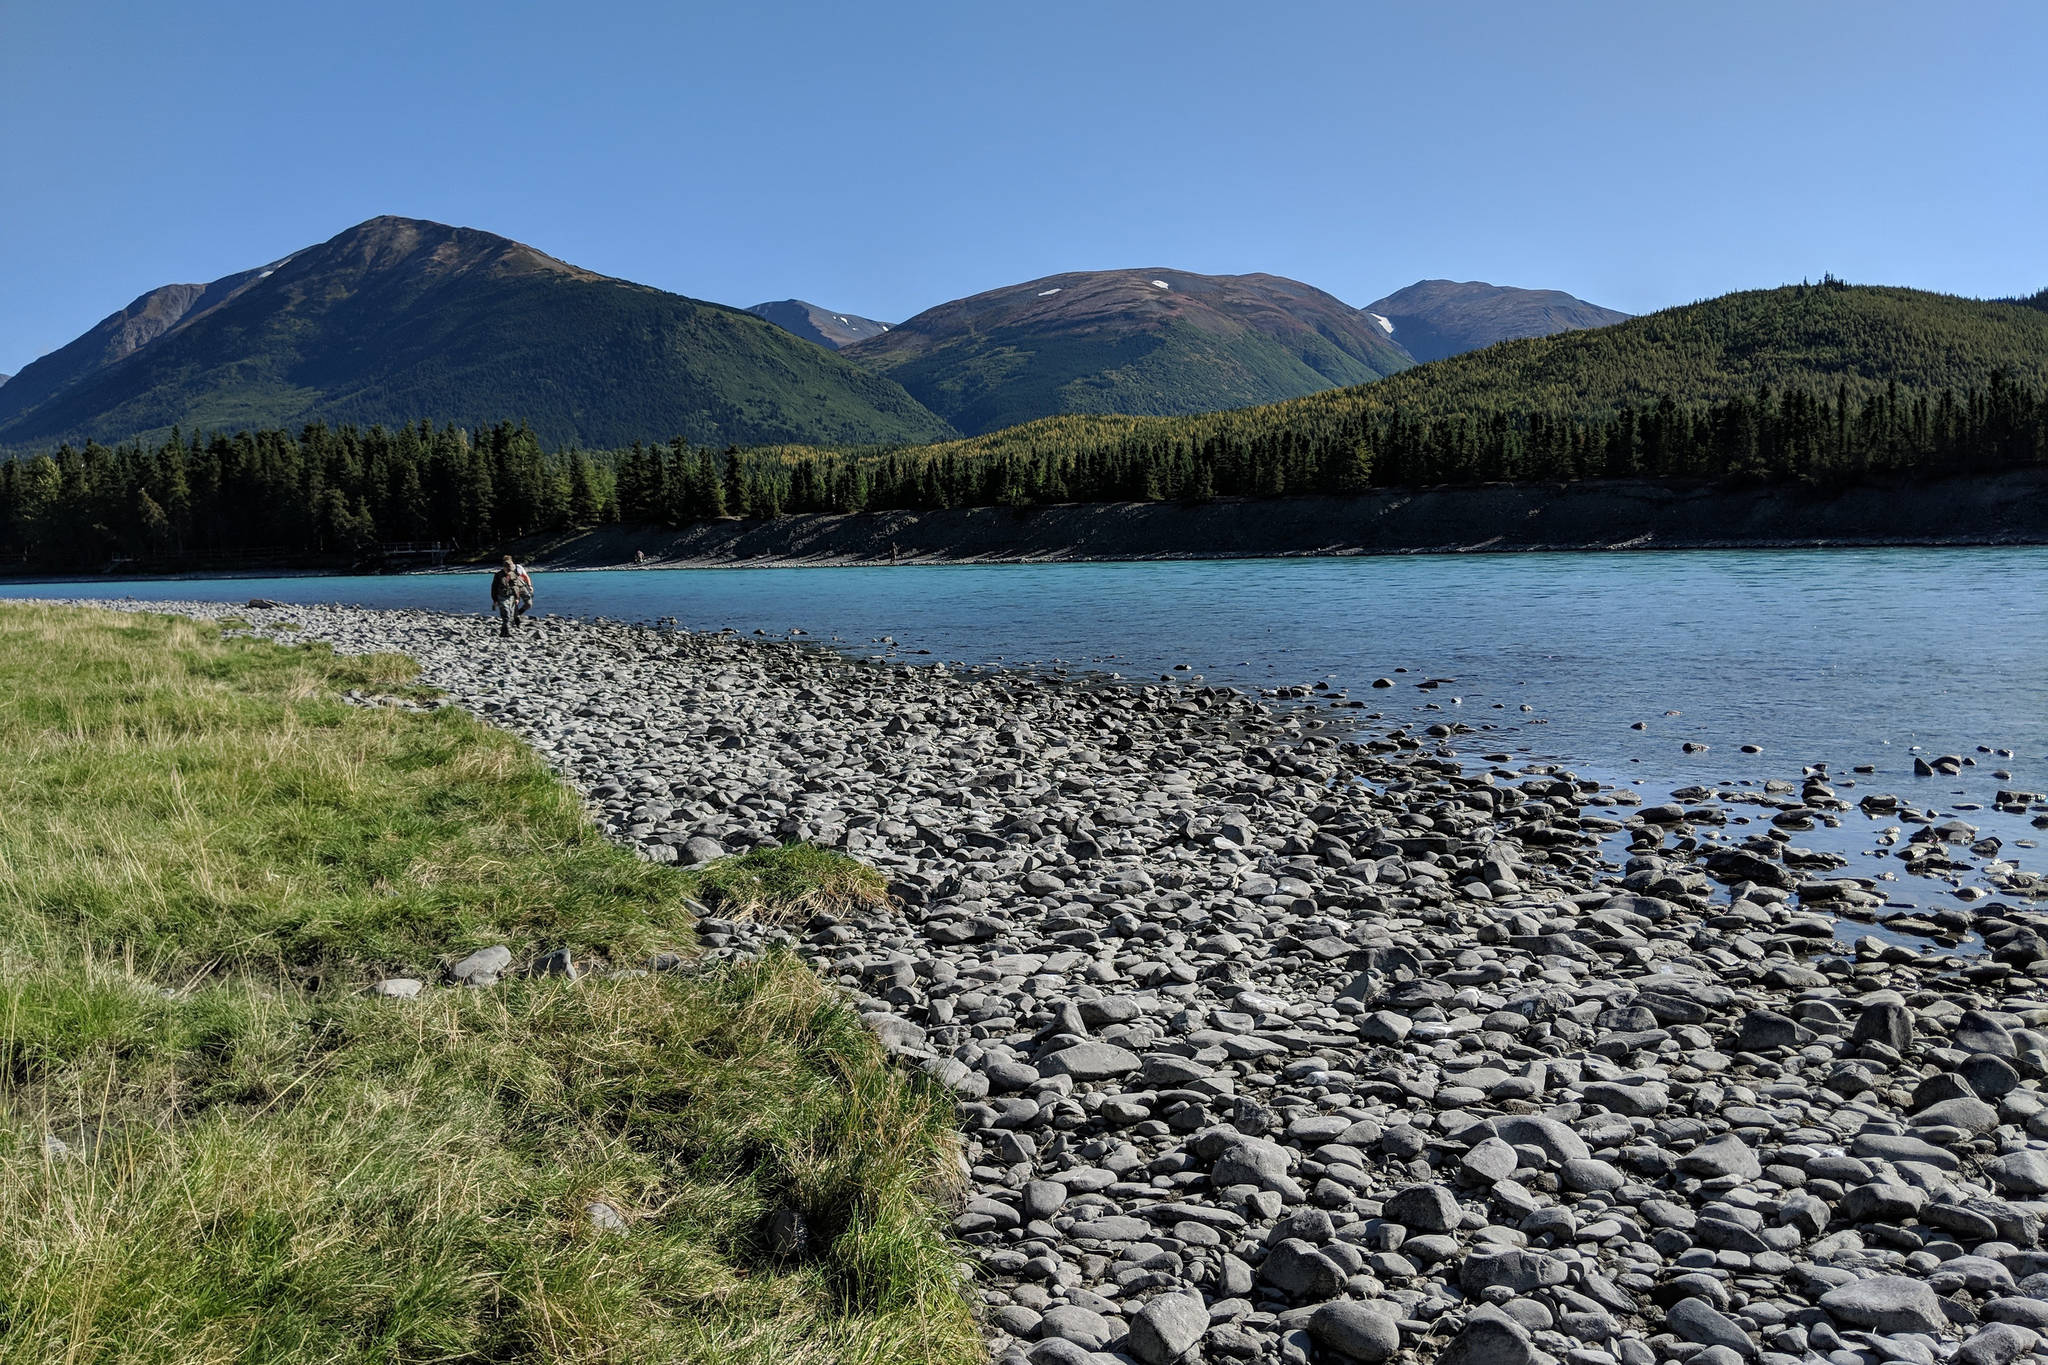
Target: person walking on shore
<point>511,595</point>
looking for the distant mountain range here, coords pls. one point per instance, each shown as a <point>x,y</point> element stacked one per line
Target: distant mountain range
<point>1155,342</point>
<point>397,319</point>
<point>828,329</point>
<point>1829,341</point>
<point>1434,319</point>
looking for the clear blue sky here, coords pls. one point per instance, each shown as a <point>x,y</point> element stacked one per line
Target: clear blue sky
<point>881,157</point>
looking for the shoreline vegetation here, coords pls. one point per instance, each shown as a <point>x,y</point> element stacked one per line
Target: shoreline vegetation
<point>2002,508</point>
<point>330,1032</point>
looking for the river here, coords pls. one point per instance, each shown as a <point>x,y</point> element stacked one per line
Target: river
<point>1841,657</point>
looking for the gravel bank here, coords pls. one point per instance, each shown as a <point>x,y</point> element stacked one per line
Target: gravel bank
<point>1273,1045</point>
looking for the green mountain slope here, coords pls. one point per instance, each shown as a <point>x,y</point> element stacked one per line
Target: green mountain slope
<point>1827,339</point>
<point>1824,337</point>
<point>1764,381</point>
<point>398,319</point>
<point>1433,319</point>
<point>1128,341</point>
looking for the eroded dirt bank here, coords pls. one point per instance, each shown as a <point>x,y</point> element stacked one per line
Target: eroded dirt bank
<point>1624,513</point>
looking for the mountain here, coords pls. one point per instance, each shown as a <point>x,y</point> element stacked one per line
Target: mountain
<point>5,377</point>
<point>1153,341</point>
<point>812,323</point>
<point>1824,341</point>
<point>399,319</point>
<point>120,335</point>
<point>1438,318</point>
<point>1861,338</point>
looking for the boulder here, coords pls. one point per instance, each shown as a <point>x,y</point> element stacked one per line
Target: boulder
<point>1358,1331</point>
<point>1886,1303</point>
<point>1164,1329</point>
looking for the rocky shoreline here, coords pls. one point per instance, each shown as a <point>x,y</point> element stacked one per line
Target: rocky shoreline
<point>1276,1041</point>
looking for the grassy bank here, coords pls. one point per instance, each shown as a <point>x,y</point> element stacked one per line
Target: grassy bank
<point>218,1147</point>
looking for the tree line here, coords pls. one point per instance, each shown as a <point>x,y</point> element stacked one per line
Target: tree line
<point>340,493</point>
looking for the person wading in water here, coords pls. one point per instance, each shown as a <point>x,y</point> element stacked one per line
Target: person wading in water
<point>511,595</point>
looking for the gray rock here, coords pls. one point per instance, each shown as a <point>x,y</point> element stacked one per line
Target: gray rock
<point>1976,1031</point>
<point>1640,1099</point>
<point>1697,1320</point>
<point>1557,1141</point>
<point>2021,1172</point>
<point>398,987</point>
<point>1887,1022</point>
<point>1998,1344</point>
<point>1490,1161</point>
<point>1071,1322</point>
<point>1724,1156</point>
<point>1515,1269</point>
<point>1424,1208</point>
<point>482,967</point>
<point>1384,1026</point>
<point>1166,1328</point>
<point>1090,1062</point>
<point>1301,1272</point>
<point>1590,1175</point>
<point>1886,1303</point>
<point>1041,1199</point>
<point>1971,1115</point>
<point>1369,1332</point>
<point>1491,1338</point>
<point>700,850</point>
<point>1767,1030</point>
<point>1250,1161</point>
<point>557,963</point>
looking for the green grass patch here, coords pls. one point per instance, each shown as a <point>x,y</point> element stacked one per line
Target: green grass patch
<point>217,1148</point>
<point>789,884</point>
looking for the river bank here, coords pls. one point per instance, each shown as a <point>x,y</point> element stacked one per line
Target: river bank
<point>250,1111</point>
<point>1650,514</point>
<point>1292,1046</point>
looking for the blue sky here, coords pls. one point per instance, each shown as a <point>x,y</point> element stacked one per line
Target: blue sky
<point>882,157</point>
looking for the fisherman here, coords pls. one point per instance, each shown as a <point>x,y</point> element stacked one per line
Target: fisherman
<point>511,595</point>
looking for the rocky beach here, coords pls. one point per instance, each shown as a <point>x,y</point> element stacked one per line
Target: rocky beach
<point>1280,1035</point>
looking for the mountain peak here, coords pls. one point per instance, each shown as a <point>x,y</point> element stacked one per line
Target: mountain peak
<point>389,241</point>
<point>398,319</point>
<point>1153,341</point>
<point>821,325</point>
<point>1439,318</point>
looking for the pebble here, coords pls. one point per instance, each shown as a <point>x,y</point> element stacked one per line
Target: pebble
<point>1282,1043</point>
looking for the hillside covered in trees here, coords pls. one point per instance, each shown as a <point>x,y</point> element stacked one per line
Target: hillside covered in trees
<point>1814,384</point>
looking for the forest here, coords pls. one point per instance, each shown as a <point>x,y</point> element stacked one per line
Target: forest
<point>337,494</point>
<point>1808,384</point>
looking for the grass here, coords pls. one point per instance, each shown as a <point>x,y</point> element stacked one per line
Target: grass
<point>217,1148</point>
<point>789,884</point>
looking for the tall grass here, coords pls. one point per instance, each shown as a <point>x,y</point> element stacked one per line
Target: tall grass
<point>216,1147</point>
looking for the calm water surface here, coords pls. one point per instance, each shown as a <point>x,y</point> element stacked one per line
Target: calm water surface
<point>1836,656</point>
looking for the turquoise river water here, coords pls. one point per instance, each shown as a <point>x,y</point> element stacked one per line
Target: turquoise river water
<point>1841,657</point>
